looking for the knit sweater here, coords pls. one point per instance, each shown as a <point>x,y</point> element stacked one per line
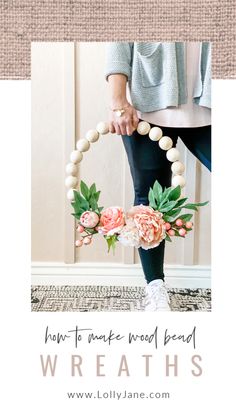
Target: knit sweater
<point>156,73</point>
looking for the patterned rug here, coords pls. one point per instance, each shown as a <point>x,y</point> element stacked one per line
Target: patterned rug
<point>113,298</point>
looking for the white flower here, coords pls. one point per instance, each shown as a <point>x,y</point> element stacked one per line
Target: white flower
<point>129,235</point>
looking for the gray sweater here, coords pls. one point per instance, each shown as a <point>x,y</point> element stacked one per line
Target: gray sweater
<point>156,73</point>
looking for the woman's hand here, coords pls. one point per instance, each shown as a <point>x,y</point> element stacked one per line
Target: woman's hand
<point>125,124</point>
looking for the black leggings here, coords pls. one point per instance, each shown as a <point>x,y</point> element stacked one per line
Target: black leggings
<point>149,163</point>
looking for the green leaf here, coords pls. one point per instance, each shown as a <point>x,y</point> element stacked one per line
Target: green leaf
<point>173,213</point>
<point>178,235</point>
<point>91,230</point>
<point>168,219</point>
<point>77,195</point>
<point>165,195</point>
<point>96,195</point>
<point>84,190</point>
<point>80,202</point>
<point>77,215</point>
<point>100,209</point>
<point>168,239</point>
<point>157,191</point>
<point>201,204</point>
<point>93,204</point>
<point>77,206</point>
<point>181,202</point>
<point>92,189</point>
<point>186,217</point>
<point>190,206</point>
<point>194,206</point>
<point>111,241</point>
<point>175,193</point>
<point>167,207</point>
<point>151,199</point>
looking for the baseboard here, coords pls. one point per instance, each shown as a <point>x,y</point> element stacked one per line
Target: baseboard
<point>179,276</point>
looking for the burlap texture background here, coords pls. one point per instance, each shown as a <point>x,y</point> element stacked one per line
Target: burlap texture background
<point>23,21</point>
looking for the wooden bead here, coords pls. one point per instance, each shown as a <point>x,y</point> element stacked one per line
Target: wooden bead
<point>155,133</point>
<point>173,154</point>
<point>83,145</point>
<point>177,168</point>
<point>71,181</point>
<point>102,128</point>
<point>70,194</point>
<point>143,128</point>
<point>165,143</point>
<point>178,180</point>
<point>76,156</point>
<point>71,169</point>
<point>92,135</point>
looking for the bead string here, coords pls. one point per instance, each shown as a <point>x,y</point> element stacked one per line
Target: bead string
<point>144,128</point>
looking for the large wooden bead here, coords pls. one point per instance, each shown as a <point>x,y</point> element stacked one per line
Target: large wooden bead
<point>143,128</point>
<point>177,168</point>
<point>71,181</point>
<point>71,169</point>
<point>102,128</point>
<point>92,135</point>
<point>70,195</point>
<point>83,145</point>
<point>76,156</point>
<point>173,154</point>
<point>165,143</point>
<point>155,133</point>
<point>178,180</point>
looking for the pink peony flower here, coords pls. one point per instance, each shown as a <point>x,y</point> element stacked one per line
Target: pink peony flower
<point>111,221</point>
<point>89,219</point>
<point>129,235</point>
<point>150,225</point>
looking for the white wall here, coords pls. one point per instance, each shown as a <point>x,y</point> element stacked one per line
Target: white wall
<point>69,96</point>
<point>47,151</point>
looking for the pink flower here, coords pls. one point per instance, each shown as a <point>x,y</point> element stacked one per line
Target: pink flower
<point>129,235</point>
<point>179,222</point>
<point>111,221</point>
<point>150,225</point>
<point>89,219</point>
<point>189,224</point>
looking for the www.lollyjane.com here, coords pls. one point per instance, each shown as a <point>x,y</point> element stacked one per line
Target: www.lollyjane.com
<point>112,394</point>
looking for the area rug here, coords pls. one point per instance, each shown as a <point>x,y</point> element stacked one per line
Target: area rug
<point>112,298</point>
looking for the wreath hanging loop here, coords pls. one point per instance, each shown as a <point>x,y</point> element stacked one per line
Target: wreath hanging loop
<point>143,225</point>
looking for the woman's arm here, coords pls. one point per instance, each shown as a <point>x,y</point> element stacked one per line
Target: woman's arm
<point>128,121</point>
<point>117,72</point>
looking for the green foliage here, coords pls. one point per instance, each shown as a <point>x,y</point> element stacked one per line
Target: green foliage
<point>157,190</point>
<point>111,242</point>
<point>168,239</point>
<point>167,207</point>
<point>186,217</point>
<point>174,193</point>
<point>86,199</point>
<point>194,206</point>
<point>169,203</point>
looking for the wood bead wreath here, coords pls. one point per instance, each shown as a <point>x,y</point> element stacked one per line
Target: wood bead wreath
<point>142,225</point>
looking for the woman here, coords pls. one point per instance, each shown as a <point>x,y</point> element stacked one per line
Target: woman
<point>169,85</point>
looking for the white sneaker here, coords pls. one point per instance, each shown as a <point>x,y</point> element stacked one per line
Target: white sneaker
<point>156,298</point>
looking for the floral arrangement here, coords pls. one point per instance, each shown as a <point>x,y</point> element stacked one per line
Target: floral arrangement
<point>142,226</point>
